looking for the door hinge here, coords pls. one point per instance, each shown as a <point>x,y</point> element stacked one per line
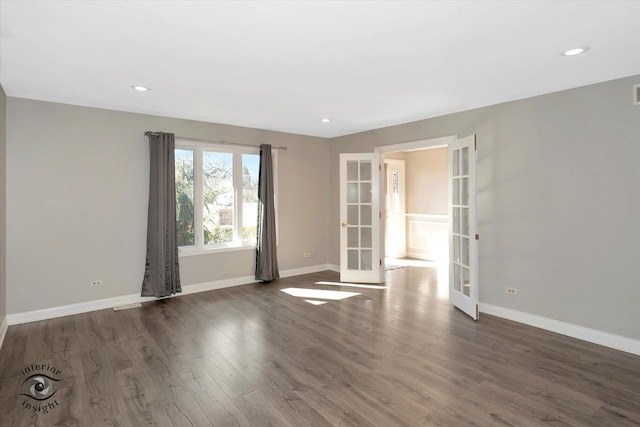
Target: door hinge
<point>380,262</point>
<point>379,167</point>
<point>477,237</point>
<point>475,145</point>
<point>379,214</point>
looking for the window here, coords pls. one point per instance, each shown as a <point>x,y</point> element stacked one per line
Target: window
<point>216,196</point>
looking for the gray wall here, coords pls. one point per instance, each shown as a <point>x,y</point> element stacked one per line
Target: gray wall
<point>77,193</point>
<point>3,205</point>
<point>558,201</point>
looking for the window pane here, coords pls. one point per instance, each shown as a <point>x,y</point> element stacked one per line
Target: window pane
<point>456,248</point>
<point>250,169</point>
<point>217,193</point>
<point>352,237</point>
<point>185,219</point>
<point>395,192</point>
<point>353,262</point>
<point>352,215</point>
<point>456,191</point>
<point>352,170</point>
<point>456,220</point>
<point>365,237</point>
<point>365,170</point>
<point>465,251</point>
<point>365,214</point>
<point>366,263</point>
<point>464,199</point>
<point>465,221</point>
<point>352,193</point>
<point>466,282</point>
<point>465,161</point>
<point>365,193</point>
<point>456,162</point>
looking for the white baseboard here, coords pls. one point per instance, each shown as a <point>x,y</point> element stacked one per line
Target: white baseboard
<point>101,304</point>
<point>422,255</point>
<point>334,267</point>
<point>304,270</point>
<point>3,330</point>
<point>606,339</point>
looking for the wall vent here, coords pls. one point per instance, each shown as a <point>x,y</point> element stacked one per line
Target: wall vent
<point>636,94</point>
<point>127,306</point>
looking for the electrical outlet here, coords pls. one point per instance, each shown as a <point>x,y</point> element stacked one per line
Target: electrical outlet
<point>307,254</point>
<point>512,291</point>
<point>95,283</point>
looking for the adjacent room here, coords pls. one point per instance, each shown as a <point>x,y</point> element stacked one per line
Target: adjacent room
<point>374,213</point>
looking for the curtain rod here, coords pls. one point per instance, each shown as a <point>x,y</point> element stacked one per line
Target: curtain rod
<point>147,133</point>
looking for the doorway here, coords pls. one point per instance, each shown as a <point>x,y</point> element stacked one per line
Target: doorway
<point>416,205</point>
<point>362,200</point>
<point>454,256</point>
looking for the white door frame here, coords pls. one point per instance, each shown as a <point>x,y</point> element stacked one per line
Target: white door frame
<point>443,141</point>
<point>407,146</point>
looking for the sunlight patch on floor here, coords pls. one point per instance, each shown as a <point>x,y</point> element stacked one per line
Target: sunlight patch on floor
<point>315,302</point>
<point>352,285</point>
<point>319,293</point>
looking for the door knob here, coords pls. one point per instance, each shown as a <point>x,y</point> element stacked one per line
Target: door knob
<point>345,224</point>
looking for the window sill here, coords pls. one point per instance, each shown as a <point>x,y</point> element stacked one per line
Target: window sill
<point>208,251</point>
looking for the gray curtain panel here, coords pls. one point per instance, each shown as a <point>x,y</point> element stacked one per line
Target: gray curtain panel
<point>266,256</point>
<point>162,272</point>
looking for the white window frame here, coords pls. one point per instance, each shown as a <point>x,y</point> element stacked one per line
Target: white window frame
<point>237,244</point>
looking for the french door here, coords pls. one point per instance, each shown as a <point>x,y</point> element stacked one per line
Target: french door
<point>463,247</point>
<point>360,241</point>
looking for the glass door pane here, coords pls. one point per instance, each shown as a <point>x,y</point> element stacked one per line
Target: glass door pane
<point>463,260</point>
<point>360,218</point>
<point>359,214</point>
<point>460,220</point>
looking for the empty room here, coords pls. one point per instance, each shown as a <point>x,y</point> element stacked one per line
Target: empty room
<point>319,213</point>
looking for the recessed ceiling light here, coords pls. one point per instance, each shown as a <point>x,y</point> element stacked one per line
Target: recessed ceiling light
<point>575,51</point>
<point>325,120</point>
<point>140,88</point>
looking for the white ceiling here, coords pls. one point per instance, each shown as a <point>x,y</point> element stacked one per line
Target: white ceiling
<point>284,65</point>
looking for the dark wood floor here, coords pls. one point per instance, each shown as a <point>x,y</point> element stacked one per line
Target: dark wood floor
<point>253,355</point>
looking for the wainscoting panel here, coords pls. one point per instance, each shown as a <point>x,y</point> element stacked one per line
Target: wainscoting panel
<point>427,236</point>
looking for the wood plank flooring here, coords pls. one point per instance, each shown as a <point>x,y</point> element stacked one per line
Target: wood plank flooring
<point>255,356</point>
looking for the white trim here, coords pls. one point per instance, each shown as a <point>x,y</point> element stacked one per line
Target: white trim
<point>304,270</point>
<point>101,304</point>
<point>427,250</point>
<point>422,256</point>
<point>594,336</point>
<point>442,141</point>
<point>186,251</point>
<point>4,325</point>
<point>334,267</point>
<point>430,217</point>
<point>67,310</point>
